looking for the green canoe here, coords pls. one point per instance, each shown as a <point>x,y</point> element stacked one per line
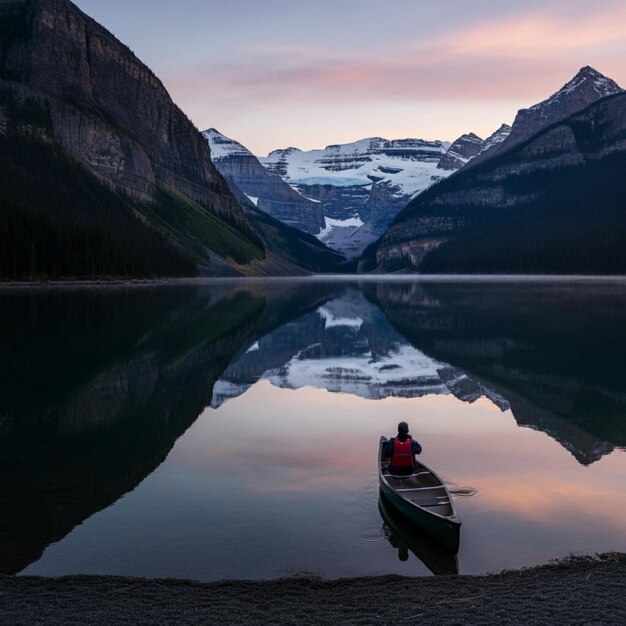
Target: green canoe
<point>423,498</point>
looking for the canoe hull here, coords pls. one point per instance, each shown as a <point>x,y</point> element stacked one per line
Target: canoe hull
<point>446,532</point>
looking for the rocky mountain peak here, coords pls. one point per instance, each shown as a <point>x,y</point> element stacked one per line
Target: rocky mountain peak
<point>496,138</point>
<point>465,148</point>
<point>284,151</point>
<point>585,88</point>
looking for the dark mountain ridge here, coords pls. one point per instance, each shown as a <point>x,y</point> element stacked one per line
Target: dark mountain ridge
<point>524,209</point>
<point>586,87</point>
<point>291,244</point>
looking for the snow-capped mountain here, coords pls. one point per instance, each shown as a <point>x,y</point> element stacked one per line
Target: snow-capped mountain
<point>361,185</point>
<point>346,346</point>
<point>408,164</point>
<point>223,147</point>
<point>264,189</point>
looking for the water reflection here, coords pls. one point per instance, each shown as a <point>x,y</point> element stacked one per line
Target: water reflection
<point>97,386</point>
<point>346,346</point>
<point>405,537</point>
<point>556,352</point>
<point>553,354</point>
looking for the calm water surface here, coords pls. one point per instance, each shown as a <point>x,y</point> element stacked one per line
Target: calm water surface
<point>229,429</point>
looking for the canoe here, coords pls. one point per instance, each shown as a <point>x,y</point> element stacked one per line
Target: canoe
<point>405,537</point>
<point>423,498</point>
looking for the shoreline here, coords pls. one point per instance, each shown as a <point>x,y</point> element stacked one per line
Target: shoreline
<point>427,278</point>
<point>576,590</point>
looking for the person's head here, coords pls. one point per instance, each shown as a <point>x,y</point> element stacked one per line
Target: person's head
<point>403,430</point>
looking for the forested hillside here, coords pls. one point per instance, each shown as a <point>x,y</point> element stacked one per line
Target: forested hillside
<point>578,226</point>
<point>59,220</point>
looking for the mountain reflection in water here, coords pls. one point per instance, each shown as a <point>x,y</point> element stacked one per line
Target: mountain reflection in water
<point>553,354</point>
<point>556,352</point>
<point>97,385</point>
<point>346,346</point>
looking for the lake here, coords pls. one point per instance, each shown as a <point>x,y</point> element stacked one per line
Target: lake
<point>229,428</point>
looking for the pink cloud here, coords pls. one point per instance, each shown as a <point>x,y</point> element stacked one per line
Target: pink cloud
<point>538,35</point>
<point>472,77</point>
<point>443,79</point>
<point>504,59</point>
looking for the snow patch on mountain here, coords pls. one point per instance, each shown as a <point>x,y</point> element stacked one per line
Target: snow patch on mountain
<point>332,224</point>
<point>408,164</point>
<point>223,147</point>
<point>331,320</point>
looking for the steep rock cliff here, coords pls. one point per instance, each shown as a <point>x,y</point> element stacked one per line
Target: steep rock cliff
<point>108,109</point>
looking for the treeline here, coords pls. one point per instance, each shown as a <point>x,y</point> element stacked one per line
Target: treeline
<point>25,112</point>
<point>59,221</point>
<point>575,224</point>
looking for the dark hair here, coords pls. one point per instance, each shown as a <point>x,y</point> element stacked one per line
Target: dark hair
<point>403,431</point>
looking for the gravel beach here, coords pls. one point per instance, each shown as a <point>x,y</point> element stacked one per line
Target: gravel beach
<point>578,590</point>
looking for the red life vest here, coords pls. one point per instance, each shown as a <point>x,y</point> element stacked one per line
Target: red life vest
<point>402,456</point>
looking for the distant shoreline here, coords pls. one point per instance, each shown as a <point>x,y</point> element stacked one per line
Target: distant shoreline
<point>579,590</point>
<point>427,278</point>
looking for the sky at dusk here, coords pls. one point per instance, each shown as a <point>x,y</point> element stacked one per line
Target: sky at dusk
<point>278,73</point>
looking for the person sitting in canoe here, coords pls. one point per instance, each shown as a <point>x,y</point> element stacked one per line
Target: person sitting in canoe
<point>402,450</point>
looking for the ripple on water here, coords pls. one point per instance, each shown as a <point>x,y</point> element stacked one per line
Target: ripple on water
<point>371,535</point>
